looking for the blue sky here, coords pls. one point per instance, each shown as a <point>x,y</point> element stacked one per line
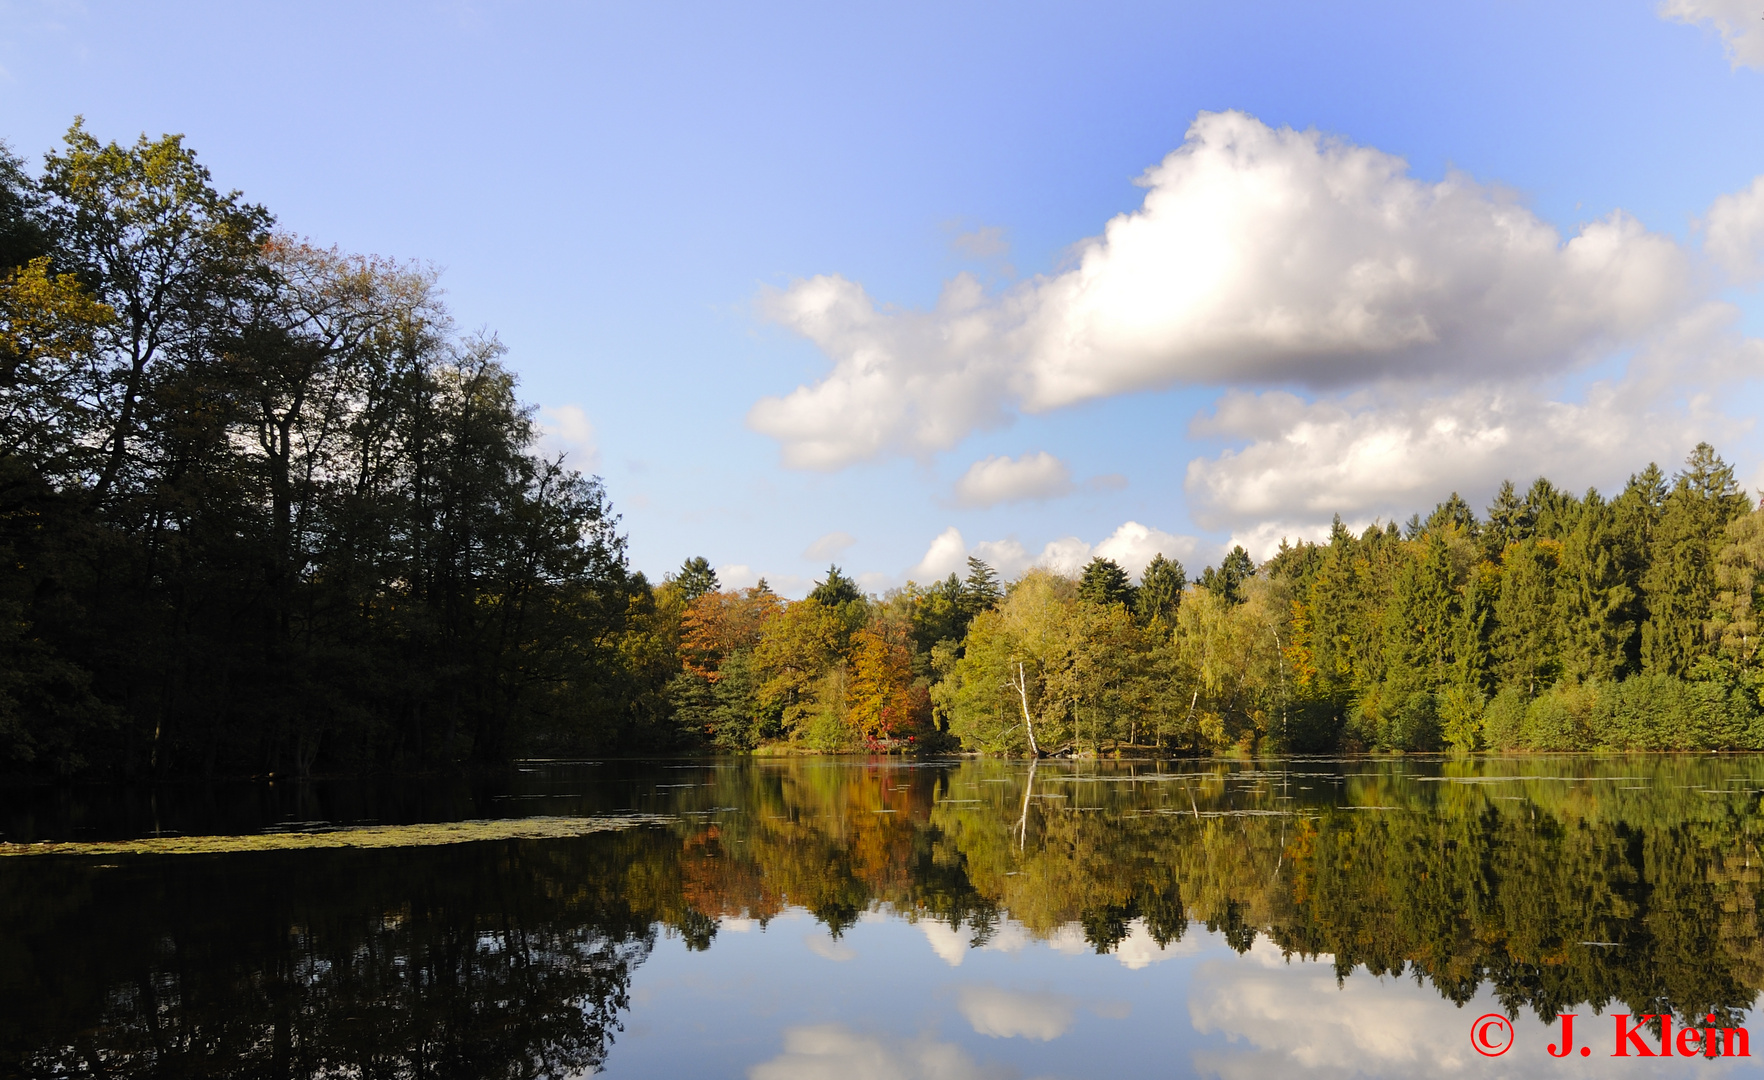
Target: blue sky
<point>640,200</point>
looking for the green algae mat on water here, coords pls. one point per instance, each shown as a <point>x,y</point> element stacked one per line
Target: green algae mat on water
<point>428,834</point>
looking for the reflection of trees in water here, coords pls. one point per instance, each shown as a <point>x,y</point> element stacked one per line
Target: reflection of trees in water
<point>504,960</point>
<point>1633,880</point>
<point>514,959</point>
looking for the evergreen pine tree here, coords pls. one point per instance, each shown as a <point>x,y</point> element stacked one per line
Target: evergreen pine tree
<point>1330,605</point>
<point>1104,582</point>
<point>1679,585</point>
<point>981,591</point>
<point>1421,620</point>
<point>1739,575</point>
<point>1160,590</point>
<point>1637,513</point>
<point>1454,512</point>
<point>1507,521</point>
<point>1418,630</point>
<point>1524,646</point>
<point>836,591</point>
<point>1462,698</point>
<point>1594,597</point>
<point>695,578</point>
<point>1548,510</point>
<point>1227,582</point>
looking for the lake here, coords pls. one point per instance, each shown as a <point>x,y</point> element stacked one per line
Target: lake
<point>782,919</point>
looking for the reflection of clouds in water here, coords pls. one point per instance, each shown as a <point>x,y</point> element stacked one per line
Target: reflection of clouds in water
<point>834,1052</point>
<point>1069,939</point>
<point>1009,937</point>
<point>737,926</point>
<point>1295,1016</point>
<point>949,943</point>
<point>1137,950</point>
<point>1297,1020</point>
<point>1009,1013</point>
<point>823,945</point>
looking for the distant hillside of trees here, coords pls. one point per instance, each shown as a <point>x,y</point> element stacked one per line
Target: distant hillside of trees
<point>265,510</point>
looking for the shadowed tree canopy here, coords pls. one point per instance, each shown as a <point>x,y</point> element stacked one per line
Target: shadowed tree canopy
<point>264,510</point>
<point>22,235</point>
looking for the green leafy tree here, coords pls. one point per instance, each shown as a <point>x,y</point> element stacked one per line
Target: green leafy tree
<point>939,614</point>
<point>145,229</point>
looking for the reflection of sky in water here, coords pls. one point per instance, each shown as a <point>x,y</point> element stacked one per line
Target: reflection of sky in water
<point>890,1000</point>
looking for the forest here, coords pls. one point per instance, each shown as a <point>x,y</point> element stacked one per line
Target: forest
<point>265,511</point>
<point>1551,622</point>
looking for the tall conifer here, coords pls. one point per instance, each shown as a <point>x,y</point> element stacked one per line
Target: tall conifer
<point>1680,585</point>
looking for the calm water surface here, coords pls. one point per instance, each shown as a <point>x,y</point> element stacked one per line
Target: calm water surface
<point>808,918</point>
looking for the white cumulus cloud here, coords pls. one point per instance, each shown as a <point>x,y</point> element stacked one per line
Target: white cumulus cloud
<point>1733,231</point>
<point>1383,454</point>
<point>737,576</point>
<point>1258,255</point>
<point>1737,21</point>
<point>1132,545</point>
<point>993,480</point>
<point>948,554</point>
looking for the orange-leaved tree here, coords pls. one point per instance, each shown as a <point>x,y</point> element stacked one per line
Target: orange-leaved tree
<point>719,624</point>
<point>883,698</point>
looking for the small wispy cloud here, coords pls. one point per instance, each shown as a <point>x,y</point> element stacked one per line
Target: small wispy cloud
<point>993,480</point>
<point>829,546</point>
<point>986,242</point>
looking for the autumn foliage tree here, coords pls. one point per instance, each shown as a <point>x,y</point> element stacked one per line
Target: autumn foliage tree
<point>885,702</point>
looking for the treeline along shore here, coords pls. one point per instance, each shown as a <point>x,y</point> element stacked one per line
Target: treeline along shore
<point>265,510</point>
